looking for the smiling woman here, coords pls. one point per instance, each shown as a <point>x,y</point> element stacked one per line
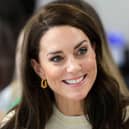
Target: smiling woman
<point>65,81</point>
<point>68,64</point>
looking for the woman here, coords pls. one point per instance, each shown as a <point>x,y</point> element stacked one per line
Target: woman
<point>65,81</point>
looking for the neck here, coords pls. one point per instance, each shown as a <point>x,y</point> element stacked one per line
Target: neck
<point>70,107</point>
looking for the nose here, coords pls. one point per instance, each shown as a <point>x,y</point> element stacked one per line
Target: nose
<point>73,66</point>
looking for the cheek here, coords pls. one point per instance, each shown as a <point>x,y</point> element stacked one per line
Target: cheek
<point>52,73</point>
<point>53,76</point>
<point>90,63</point>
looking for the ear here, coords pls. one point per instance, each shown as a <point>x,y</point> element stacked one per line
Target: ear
<point>38,69</point>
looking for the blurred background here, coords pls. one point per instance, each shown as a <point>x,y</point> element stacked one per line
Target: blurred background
<point>15,13</point>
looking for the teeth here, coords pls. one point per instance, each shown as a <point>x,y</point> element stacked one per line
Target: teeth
<point>74,81</point>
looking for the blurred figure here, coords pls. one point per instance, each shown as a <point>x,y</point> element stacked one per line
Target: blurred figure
<point>12,94</point>
<point>15,13</point>
<point>7,55</point>
<point>7,65</point>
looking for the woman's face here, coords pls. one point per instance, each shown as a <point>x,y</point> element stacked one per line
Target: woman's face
<point>68,62</point>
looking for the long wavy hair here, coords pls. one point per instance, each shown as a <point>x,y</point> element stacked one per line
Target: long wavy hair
<point>105,48</point>
<point>105,105</point>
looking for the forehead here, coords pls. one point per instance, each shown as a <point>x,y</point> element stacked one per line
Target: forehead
<point>62,36</point>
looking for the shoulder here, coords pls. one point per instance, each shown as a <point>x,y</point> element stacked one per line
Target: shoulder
<point>7,118</point>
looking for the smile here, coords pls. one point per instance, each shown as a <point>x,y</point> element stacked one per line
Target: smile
<point>74,81</point>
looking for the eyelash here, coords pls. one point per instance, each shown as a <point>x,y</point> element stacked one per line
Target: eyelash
<point>56,59</point>
<point>82,51</point>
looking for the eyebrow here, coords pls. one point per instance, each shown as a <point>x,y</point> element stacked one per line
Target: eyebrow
<point>77,46</point>
<point>56,52</point>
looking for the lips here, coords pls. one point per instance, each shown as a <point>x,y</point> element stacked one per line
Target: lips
<point>74,81</point>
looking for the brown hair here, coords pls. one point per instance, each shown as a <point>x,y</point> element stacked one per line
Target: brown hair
<point>105,104</point>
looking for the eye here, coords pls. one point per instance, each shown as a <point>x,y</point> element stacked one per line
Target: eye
<point>82,51</point>
<point>56,59</point>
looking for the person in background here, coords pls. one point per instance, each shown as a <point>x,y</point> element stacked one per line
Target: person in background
<point>64,73</point>
<point>7,65</point>
<point>11,96</point>
<point>13,14</point>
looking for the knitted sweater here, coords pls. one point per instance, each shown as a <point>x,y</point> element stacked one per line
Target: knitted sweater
<point>61,121</point>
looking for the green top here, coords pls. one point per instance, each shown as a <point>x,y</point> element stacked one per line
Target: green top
<point>61,121</point>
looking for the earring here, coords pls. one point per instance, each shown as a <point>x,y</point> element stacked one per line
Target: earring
<point>44,84</point>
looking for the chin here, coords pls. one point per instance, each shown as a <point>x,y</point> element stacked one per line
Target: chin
<point>78,97</point>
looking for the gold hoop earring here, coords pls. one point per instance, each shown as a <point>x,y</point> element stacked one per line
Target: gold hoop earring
<point>44,84</point>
